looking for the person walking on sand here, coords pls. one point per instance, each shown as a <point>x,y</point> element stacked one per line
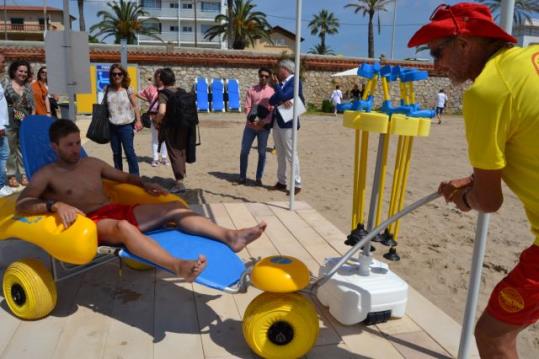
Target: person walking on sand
<point>150,94</point>
<point>257,125</point>
<point>4,145</point>
<point>441,103</point>
<point>336,98</point>
<point>501,119</point>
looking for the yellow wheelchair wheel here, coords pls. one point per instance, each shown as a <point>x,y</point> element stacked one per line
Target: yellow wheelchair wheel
<point>136,265</point>
<point>280,325</point>
<point>29,290</point>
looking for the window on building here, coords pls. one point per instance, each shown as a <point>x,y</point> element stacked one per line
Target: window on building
<point>187,29</point>
<point>204,28</point>
<point>187,5</point>
<point>153,26</point>
<point>173,5</point>
<point>210,6</point>
<point>17,21</point>
<point>174,28</point>
<point>153,4</point>
<point>279,42</point>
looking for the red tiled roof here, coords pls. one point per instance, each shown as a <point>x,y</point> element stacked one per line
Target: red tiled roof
<point>29,8</point>
<point>210,58</point>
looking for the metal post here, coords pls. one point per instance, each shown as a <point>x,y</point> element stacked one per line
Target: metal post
<point>179,2</point>
<point>45,19</point>
<point>292,178</point>
<point>506,15</point>
<point>123,52</point>
<point>69,70</point>
<point>196,21</point>
<point>393,31</point>
<point>5,21</point>
<point>475,283</point>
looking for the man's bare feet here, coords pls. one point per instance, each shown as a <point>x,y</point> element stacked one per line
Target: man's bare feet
<point>238,239</point>
<point>189,270</point>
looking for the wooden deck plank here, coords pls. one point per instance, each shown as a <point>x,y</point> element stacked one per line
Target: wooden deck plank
<point>241,217</point>
<point>317,247</point>
<point>176,328</point>
<point>131,330</point>
<point>325,229</point>
<point>46,332</point>
<point>8,326</point>
<point>84,335</point>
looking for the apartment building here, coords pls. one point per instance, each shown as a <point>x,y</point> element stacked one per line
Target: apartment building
<point>527,33</point>
<point>27,23</point>
<point>184,22</point>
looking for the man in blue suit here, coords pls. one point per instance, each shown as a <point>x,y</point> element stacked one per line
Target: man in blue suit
<point>282,131</point>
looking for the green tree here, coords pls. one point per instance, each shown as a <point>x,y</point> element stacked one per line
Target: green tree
<point>123,21</point>
<point>370,8</point>
<point>321,49</point>
<point>82,23</point>
<point>324,23</point>
<point>248,25</point>
<point>523,9</point>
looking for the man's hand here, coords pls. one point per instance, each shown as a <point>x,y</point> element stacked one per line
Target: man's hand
<point>450,189</point>
<point>68,214</point>
<point>154,189</point>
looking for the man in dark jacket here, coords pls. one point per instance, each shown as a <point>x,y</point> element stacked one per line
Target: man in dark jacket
<point>282,131</point>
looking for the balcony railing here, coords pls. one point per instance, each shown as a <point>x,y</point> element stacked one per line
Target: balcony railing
<point>184,13</point>
<point>22,27</point>
<point>184,37</point>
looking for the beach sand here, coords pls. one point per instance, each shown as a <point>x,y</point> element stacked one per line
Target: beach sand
<point>435,242</point>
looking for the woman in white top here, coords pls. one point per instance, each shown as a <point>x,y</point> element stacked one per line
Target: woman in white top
<point>336,98</point>
<point>124,117</point>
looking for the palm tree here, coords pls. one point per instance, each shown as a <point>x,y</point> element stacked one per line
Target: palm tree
<point>321,49</point>
<point>370,7</point>
<point>523,9</point>
<point>122,22</point>
<point>248,25</point>
<point>82,23</point>
<point>324,23</point>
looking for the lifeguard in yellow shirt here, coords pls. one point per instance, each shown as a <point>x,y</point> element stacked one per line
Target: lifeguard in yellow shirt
<point>501,115</point>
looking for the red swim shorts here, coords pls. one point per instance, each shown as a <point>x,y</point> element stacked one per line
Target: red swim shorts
<point>114,211</point>
<point>515,300</point>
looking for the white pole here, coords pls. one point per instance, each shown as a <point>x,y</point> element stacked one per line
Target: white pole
<point>123,52</point>
<point>45,19</point>
<point>69,71</point>
<point>474,285</point>
<point>291,177</point>
<point>393,31</point>
<point>466,337</point>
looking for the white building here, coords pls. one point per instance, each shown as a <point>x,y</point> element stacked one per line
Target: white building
<point>527,33</point>
<point>184,22</point>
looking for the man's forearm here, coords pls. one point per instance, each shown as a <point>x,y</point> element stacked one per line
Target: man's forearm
<point>31,206</point>
<point>134,180</point>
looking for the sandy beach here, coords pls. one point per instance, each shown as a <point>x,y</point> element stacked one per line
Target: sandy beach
<point>435,242</point>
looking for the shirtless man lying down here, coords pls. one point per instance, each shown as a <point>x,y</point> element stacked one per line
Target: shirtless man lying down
<point>74,185</point>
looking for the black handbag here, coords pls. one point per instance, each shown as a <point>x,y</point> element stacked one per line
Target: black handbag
<point>99,129</point>
<point>146,117</point>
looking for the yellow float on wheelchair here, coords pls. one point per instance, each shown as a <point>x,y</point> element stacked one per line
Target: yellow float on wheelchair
<point>280,274</point>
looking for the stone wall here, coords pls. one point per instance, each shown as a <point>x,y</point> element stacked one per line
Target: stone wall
<point>188,63</point>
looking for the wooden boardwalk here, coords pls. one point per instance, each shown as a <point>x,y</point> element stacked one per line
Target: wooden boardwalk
<point>101,314</point>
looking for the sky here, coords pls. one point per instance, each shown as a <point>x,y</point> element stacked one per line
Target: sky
<point>351,39</point>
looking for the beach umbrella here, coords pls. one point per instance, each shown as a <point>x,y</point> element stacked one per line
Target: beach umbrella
<point>351,72</point>
<point>466,337</point>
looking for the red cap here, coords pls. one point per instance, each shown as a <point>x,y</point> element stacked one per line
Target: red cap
<point>462,19</point>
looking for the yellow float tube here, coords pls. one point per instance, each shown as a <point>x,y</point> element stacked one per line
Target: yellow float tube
<point>78,243</point>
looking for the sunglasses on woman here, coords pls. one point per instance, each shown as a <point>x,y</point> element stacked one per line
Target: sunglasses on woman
<point>117,74</point>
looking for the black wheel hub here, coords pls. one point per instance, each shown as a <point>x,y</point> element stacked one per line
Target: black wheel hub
<point>18,295</point>
<point>280,333</point>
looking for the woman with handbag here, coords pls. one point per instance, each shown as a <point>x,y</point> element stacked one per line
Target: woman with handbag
<point>150,95</point>
<point>41,93</point>
<point>20,101</point>
<point>124,118</point>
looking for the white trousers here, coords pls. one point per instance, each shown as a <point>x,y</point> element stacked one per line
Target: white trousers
<point>155,145</point>
<point>282,137</point>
